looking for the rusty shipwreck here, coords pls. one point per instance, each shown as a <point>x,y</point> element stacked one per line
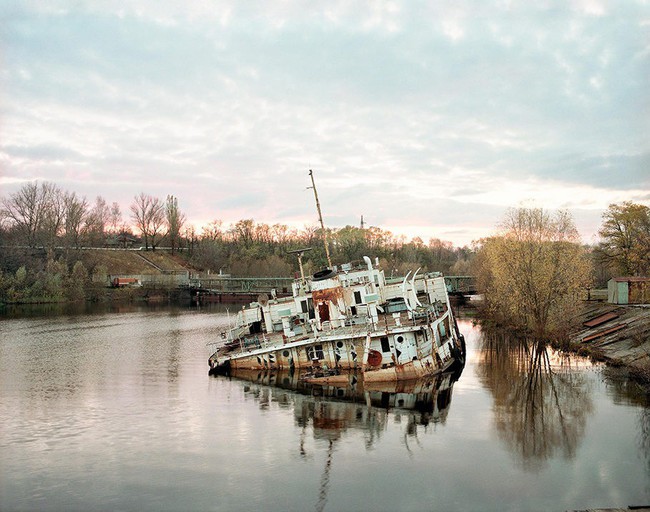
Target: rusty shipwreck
<point>348,319</point>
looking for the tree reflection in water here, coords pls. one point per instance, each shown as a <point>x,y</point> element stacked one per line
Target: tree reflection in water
<point>626,391</point>
<point>541,403</point>
<point>644,437</point>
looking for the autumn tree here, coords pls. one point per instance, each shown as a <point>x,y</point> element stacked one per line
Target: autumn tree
<point>148,214</point>
<point>282,234</point>
<point>625,239</point>
<point>532,273</point>
<point>243,231</point>
<point>349,244</point>
<point>175,220</point>
<point>77,282</point>
<point>376,238</point>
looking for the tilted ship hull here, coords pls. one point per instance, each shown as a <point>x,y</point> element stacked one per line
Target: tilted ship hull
<point>350,319</point>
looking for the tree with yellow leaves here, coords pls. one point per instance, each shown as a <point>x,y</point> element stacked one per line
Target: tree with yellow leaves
<point>533,272</point>
<point>625,239</point>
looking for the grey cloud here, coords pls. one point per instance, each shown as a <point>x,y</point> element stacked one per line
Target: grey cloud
<point>529,92</point>
<point>42,152</point>
<point>604,171</point>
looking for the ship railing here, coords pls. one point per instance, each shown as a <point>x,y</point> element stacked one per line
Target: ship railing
<point>249,343</point>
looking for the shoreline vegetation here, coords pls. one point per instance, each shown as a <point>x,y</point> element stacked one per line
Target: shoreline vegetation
<point>532,273</point>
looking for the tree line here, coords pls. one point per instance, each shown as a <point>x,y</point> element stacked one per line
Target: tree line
<point>530,271</point>
<point>42,215</point>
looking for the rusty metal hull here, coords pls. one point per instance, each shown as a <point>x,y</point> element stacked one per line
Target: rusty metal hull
<point>405,354</point>
<point>409,371</point>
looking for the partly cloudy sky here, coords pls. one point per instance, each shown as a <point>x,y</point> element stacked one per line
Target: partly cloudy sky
<point>429,118</point>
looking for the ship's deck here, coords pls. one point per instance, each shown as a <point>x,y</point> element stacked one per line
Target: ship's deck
<point>355,327</point>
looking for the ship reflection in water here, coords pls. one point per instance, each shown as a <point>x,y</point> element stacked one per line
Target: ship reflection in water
<point>331,409</point>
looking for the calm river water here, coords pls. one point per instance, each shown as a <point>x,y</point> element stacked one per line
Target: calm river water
<point>116,411</point>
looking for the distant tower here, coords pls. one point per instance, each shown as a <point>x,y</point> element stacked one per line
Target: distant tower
<point>362,224</point>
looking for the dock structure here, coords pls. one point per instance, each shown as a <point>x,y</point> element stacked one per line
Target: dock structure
<point>461,285</point>
<point>238,289</point>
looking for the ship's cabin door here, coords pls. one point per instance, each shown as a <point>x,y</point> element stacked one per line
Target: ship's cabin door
<point>405,348</point>
<point>323,311</point>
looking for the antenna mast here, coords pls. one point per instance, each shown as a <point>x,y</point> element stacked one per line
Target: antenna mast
<point>320,218</point>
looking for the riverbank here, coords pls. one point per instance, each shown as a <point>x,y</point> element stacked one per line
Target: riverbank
<point>616,334</point>
<point>73,275</point>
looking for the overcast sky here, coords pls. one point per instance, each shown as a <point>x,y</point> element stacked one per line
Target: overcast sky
<point>427,118</point>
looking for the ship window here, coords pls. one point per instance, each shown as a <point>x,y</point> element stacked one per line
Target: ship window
<point>285,353</point>
<point>339,344</point>
<point>400,339</point>
<point>315,352</point>
<point>303,306</point>
<point>357,298</point>
<point>385,346</point>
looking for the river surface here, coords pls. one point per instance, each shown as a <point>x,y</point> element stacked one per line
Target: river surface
<point>116,411</point>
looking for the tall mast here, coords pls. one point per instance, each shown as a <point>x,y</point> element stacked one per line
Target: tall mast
<point>320,218</point>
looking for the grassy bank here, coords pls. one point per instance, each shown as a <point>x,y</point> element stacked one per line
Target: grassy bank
<point>81,275</point>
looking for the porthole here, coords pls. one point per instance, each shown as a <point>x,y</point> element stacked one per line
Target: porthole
<point>339,344</point>
<point>400,339</point>
<point>285,353</point>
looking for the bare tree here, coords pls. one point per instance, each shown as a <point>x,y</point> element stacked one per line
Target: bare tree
<point>54,219</point>
<point>175,221</point>
<point>97,220</point>
<point>148,213</point>
<point>27,211</point>
<point>213,231</point>
<point>115,218</point>
<point>75,212</point>
<point>191,238</point>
